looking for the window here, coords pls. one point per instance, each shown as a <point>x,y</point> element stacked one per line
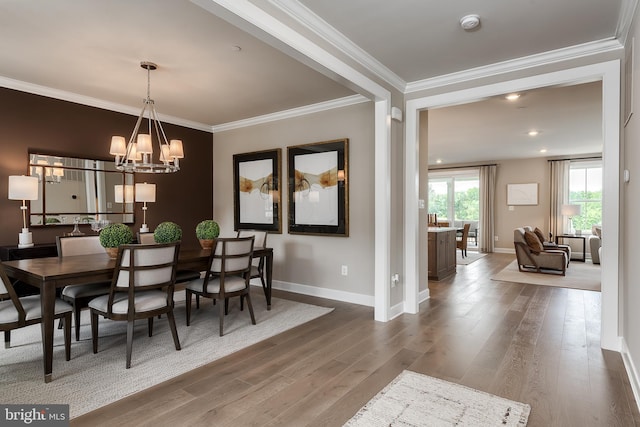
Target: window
<point>585,189</point>
<point>455,195</point>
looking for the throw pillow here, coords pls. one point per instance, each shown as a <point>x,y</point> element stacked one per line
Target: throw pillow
<point>540,234</point>
<point>533,242</point>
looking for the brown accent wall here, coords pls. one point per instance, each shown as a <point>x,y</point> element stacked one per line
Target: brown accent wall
<point>47,125</point>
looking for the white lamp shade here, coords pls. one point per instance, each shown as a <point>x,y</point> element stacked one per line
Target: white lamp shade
<point>165,154</point>
<point>176,149</point>
<point>570,210</point>
<point>144,144</point>
<point>145,192</point>
<point>124,193</point>
<point>118,146</point>
<point>23,187</point>
<point>133,152</point>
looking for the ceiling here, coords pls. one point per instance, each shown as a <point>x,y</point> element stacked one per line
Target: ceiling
<point>211,72</point>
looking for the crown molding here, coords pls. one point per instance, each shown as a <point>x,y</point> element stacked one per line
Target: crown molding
<point>546,58</point>
<point>322,28</point>
<point>626,19</point>
<point>294,112</point>
<point>94,102</point>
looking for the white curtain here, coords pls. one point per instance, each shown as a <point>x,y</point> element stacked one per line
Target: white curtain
<point>559,191</point>
<point>487,204</point>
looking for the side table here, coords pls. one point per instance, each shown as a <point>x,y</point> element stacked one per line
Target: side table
<point>576,236</point>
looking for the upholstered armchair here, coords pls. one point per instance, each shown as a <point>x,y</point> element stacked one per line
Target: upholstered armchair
<point>532,256</point>
<point>548,244</point>
<point>595,243</point>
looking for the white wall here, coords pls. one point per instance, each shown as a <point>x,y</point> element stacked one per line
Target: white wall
<point>630,212</point>
<point>306,263</point>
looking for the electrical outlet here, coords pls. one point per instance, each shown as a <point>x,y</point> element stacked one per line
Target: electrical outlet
<point>495,238</point>
<point>345,270</point>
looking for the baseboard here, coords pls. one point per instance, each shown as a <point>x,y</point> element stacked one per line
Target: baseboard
<point>423,295</point>
<point>632,372</point>
<point>350,297</point>
<point>504,251</point>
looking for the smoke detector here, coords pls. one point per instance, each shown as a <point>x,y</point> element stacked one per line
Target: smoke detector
<point>469,22</point>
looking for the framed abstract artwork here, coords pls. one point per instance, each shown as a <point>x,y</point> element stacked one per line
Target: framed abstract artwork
<point>522,194</point>
<point>319,188</point>
<point>256,190</point>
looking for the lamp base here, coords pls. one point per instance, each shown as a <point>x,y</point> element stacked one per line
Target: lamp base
<point>25,239</point>
<point>144,228</point>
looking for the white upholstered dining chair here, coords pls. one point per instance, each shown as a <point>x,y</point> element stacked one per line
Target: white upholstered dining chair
<point>80,295</point>
<point>18,312</point>
<point>142,288</point>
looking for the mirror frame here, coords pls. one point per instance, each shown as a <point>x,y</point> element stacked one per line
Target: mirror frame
<point>61,169</point>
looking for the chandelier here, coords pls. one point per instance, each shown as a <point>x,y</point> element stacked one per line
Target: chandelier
<point>137,155</point>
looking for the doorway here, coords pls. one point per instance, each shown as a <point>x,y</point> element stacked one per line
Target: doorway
<point>609,74</point>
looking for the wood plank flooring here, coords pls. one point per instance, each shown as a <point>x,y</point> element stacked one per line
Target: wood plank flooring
<point>534,344</point>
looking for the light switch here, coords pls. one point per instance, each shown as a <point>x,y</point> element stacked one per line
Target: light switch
<point>420,204</point>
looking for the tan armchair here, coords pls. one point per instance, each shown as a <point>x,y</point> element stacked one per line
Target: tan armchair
<point>536,259</point>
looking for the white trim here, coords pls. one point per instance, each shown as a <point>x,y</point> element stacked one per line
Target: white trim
<point>94,102</point>
<point>625,19</point>
<point>632,371</point>
<point>512,65</point>
<point>322,28</point>
<point>609,73</point>
<point>504,251</point>
<point>382,210</point>
<point>293,112</point>
<point>333,294</point>
<point>257,22</point>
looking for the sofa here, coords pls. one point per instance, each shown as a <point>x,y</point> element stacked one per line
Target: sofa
<point>533,257</point>
<point>595,243</point>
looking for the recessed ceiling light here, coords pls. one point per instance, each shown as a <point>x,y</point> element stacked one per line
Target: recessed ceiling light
<point>469,22</point>
<point>512,96</point>
<point>544,150</point>
<point>439,161</point>
<point>533,132</point>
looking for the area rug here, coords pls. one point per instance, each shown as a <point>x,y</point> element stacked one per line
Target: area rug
<point>413,400</point>
<point>580,275</point>
<point>89,381</point>
<point>471,257</point>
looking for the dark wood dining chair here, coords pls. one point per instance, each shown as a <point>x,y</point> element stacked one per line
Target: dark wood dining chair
<point>227,276</point>
<point>257,265</point>
<point>461,242</point>
<point>80,295</point>
<point>18,312</point>
<point>142,288</point>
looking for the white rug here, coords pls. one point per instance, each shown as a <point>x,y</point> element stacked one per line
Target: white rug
<point>580,275</point>
<point>89,381</point>
<point>471,257</point>
<point>414,399</point>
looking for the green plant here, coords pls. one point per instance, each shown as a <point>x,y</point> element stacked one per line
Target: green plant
<point>167,232</point>
<point>114,235</point>
<point>207,229</point>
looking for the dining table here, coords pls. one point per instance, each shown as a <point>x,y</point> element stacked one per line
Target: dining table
<point>51,273</point>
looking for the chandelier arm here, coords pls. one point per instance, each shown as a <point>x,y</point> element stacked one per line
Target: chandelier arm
<point>127,158</point>
<point>162,137</point>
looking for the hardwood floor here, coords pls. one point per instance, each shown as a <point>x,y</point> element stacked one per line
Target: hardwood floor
<point>533,344</point>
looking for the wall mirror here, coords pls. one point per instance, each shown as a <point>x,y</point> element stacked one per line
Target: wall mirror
<point>76,190</point>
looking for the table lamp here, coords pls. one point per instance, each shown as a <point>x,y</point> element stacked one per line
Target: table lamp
<point>23,188</point>
<point>571,211</point>
<point>145,193</point>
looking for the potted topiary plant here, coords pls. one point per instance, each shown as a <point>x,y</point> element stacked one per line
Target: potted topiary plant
<point>167,232</point>
<point>114,235</point>
<point>206,232</point>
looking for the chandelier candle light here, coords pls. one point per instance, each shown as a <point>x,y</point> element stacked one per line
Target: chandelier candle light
<point>23,188</point>
<point>137,155</point>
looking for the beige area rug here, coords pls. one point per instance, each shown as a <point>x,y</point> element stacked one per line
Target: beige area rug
<point>580,275</point>
<point>89,381</point>
<point>414,399</point>
<point>471,257</point>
